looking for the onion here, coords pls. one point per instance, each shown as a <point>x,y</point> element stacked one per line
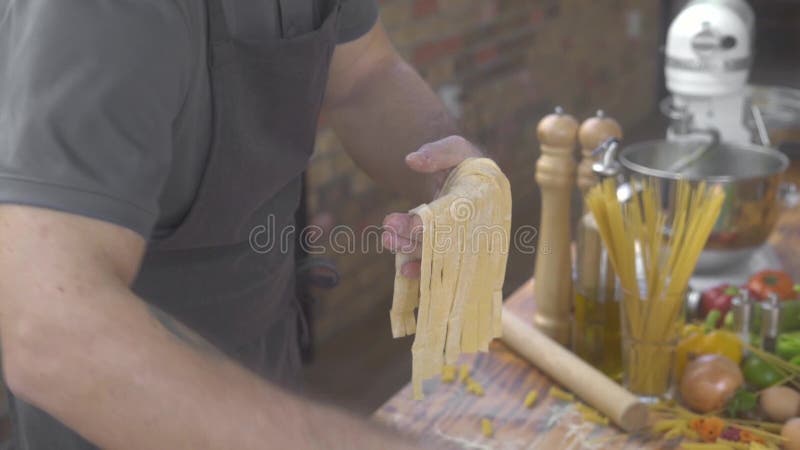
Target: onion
<point>709,381</point>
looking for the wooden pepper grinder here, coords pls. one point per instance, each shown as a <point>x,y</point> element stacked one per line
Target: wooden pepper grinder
<point>555,175</point>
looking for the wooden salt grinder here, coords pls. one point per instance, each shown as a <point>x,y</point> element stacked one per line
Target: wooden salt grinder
<point>555,175</point>
<point>591,134</point>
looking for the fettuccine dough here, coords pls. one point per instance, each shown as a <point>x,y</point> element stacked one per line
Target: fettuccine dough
<point>465,239</point>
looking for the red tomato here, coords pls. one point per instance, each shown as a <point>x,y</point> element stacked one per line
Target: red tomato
<point>767,282</point>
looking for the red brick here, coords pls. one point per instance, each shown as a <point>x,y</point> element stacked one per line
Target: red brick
<point>486,54</point>
<point>430,51</point>
<point>422,8</point>
<point>537,15</point>
<point>488,11</point>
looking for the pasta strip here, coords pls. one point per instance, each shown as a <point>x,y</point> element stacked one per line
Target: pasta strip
<point>465,240</point>
<point>420,353</point>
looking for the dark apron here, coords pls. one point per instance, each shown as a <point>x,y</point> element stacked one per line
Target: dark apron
<point>228,270</point>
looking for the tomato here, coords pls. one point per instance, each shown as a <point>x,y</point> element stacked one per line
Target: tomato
<point>759,373</point>
<point>767,282</point>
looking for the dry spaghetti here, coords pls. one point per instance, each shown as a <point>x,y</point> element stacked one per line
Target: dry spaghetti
<point>653,267</point>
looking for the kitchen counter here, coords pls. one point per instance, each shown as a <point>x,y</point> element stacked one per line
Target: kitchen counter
<point>449,417</point>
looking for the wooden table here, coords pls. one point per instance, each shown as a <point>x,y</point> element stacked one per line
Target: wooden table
<point>449,417</point>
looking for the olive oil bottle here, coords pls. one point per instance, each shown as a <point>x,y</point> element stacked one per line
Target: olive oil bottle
<point>596,334</point>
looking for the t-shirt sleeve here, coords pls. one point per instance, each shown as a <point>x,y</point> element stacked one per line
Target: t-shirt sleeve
<point>357,17</point>
<point>90,90</point>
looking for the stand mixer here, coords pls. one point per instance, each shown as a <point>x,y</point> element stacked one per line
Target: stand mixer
<point>708,59</point>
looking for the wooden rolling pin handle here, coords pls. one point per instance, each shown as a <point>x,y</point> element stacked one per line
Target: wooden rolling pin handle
<point>563,366</point>
<point>592,133</point>
<point>555,174</point>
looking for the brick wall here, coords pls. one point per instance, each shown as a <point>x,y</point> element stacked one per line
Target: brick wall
<point>501,65</point>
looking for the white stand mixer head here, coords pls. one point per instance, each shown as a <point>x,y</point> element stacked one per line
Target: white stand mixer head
<point>709,48</point>
<point>708,59</point>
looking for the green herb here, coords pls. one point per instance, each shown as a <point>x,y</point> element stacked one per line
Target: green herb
<point>711,320</point>
<point>733,290</point>
<point>728,322</point>
<point>742,401</point>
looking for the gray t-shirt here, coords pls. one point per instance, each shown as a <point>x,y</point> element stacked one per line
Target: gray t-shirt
<point>105,105</point>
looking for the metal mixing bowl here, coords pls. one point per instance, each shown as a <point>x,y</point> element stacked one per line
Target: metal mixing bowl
<point>750,175</point>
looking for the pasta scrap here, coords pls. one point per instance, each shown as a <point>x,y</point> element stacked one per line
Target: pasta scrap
<point>463,373</point>
<point>448,373</point>
<point>561,395</point>
<point>530,399</point>
<point>458,296</point>
<point>486,428</point>
<point>473,387</point>
<point>594,416</point>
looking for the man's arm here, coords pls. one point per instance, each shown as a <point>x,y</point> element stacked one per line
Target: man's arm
<point>395,128</point>
<point>80,345</point>
<point>382,111</point>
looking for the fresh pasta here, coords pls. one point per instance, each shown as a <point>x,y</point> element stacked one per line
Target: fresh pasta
<point>458,296</point>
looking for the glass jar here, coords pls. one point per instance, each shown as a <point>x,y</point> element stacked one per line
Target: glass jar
<point>651,328</point>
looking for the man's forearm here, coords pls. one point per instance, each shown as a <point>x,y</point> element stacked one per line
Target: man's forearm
<point>388,115</point>
<point>141,380</point>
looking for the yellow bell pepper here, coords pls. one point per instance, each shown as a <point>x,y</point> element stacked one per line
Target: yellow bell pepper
<point>699,340</point>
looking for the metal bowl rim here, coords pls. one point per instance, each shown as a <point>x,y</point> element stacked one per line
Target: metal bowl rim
<point>648,171</point>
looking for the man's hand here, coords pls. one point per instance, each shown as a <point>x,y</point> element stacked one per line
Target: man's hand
<point>403,232</point>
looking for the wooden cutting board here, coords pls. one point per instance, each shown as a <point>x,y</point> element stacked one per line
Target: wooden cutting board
<point>451,417</point>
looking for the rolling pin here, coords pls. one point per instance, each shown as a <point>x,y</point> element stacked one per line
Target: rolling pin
<point>563,366</point>
<point>555,175</point>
